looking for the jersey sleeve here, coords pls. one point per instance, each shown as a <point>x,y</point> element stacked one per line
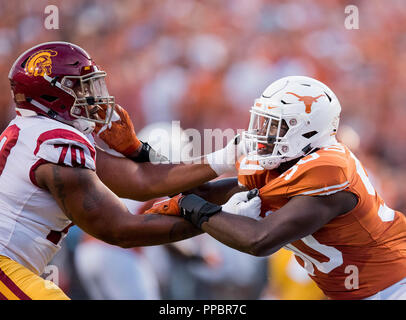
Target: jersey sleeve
<point>314,180</point>
<point>66,147</point>
<point>318,181</point>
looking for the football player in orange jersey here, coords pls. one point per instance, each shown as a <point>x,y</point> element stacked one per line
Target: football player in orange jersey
<point>316,198</point>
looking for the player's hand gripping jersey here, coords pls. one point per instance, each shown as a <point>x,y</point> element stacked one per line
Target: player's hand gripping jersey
<point>356,254</point>
<point>31,223</point>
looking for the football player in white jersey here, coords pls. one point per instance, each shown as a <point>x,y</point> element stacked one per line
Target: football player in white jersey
<point>53,176</point>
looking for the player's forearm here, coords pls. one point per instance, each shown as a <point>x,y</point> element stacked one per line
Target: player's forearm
<point>169,179</point>
<point>145,181</point>
<point>153,229</point>
<point>300,217</point>
<point>238,232</point>
<point>115,225</point>
<point>109,220</point>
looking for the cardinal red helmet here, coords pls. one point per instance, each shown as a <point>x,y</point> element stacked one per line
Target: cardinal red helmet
<point>60,80</point>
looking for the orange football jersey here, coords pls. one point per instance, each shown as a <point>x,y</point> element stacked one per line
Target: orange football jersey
<point>356,254</point>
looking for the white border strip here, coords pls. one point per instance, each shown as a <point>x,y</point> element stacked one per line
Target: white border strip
<point>340,186</point>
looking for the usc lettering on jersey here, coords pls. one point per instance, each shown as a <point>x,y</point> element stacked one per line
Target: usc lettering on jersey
<point>356,254</point>
<point>31,223</point>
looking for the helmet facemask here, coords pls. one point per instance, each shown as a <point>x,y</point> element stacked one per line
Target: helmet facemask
<point>92,100</point>
<point>266,140</point>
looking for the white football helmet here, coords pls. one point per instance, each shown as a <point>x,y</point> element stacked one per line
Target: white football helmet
<point>294,116</point>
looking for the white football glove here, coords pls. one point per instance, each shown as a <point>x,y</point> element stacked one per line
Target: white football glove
<point>246,203</point>
<point>223,160</point>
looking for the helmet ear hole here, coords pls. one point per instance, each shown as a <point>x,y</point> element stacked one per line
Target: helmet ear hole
<point>293,122</point>
<point>285,149</point>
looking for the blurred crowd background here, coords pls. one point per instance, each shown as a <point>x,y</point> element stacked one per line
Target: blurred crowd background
<point>203,62</point>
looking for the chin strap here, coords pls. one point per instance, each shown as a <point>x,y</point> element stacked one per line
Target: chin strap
<point>84,126</point>
<point>305,151</point>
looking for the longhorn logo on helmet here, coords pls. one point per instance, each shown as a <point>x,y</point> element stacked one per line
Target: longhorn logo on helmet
<point>307,100</point>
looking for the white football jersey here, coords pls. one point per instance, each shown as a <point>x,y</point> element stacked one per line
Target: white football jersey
<point>32,225</point>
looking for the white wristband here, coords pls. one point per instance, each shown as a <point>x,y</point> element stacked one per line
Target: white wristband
<point>219,163</point>
<point>223,160</point>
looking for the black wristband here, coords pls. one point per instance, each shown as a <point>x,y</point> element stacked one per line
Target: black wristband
<point>148,154</point>
<point>143,155</point>
<point>197,210</point>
